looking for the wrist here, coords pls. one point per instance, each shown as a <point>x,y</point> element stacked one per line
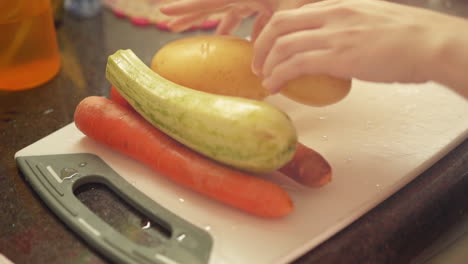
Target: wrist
<point>450,61</point>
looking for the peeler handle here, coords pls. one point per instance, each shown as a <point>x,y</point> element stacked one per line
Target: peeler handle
<point>57,190</point>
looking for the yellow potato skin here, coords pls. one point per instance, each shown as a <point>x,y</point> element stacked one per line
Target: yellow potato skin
<point>317,90</point>
<point>214,64</point>
<point>222,65</point>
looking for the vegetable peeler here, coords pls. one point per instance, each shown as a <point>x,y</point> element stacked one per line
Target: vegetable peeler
<point>55,178</point>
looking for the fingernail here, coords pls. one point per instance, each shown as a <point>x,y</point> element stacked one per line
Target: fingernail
<point>254,70</point>
<point>267,84</point>
<point>175,28</point>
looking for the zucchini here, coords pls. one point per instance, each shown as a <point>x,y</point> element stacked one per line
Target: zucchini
<point>242,133</point>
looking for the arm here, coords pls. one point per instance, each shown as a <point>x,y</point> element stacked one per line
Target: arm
<point>450,66</point>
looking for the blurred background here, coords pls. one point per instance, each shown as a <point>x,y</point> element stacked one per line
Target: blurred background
<point>88,31</point>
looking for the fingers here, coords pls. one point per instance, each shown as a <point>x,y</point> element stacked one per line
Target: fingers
<point>260,22</point>
<point>187,17</point>
<point>189,11</point>
<point>281,23</point>
<point>296,66</point>
<point>228,23</point>
<point>184,22</point>
<point>231,20</point>
<point>182,7</point>
<point>294,43</point>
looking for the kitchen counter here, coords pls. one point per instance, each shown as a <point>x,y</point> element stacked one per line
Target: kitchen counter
<point>409,227</point>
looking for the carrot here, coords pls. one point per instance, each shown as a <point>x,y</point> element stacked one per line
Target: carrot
<point>116,97</point>
<point>307,166</point>
<point>127,132</point>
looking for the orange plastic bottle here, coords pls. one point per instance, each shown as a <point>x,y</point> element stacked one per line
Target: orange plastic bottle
<point>29,53</point>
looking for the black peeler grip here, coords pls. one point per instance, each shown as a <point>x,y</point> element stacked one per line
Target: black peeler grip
<point>55,177</point>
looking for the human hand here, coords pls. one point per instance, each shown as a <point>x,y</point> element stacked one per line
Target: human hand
<point>189,12</point>
<point>366,39</point>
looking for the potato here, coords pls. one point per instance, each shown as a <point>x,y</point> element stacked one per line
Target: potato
<point>317,90</point>
<point>214,64</point>
<point>222,65</point>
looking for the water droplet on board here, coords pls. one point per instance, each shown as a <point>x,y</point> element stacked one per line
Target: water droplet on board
<point>324,138</point>
<point>68,173</point>
<point>145,224</point>
<point>181,237</point>
<point>181,200</point>
<point>322,117</point>
<point>48,111</point>
<point>83,164</point>
<point>207,228</point>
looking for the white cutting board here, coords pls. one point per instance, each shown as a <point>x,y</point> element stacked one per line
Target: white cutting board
<point>377,140</point>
